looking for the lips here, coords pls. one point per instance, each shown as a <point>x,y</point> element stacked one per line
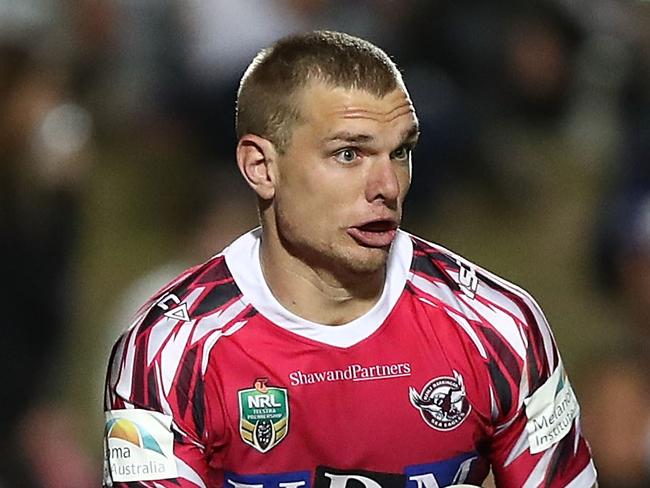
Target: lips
<point>377,233</point>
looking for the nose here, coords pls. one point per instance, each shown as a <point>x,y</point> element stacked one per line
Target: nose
<point>383,182</point>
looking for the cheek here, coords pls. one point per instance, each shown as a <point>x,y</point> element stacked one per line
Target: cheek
<point>302,207</point>
<point>331,189</point>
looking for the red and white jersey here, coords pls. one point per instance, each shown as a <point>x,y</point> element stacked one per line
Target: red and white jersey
<point>453,371</point>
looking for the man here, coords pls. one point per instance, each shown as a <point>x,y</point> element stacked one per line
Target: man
<point>329,348</point>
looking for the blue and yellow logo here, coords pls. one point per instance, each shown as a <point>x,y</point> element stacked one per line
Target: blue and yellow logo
<point>131,432</point>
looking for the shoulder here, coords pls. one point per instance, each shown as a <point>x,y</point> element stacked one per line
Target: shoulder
<point>468,282</point>
<point>171,339</point>
<point>504,321</point>
<point>193,295</point>
<point>435,267</point>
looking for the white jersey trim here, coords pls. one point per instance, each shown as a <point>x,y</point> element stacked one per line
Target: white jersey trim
<point>243,260</point>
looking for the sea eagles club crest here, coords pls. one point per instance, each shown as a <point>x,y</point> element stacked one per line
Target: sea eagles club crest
<point>263,415</point>
<point>442,402</point>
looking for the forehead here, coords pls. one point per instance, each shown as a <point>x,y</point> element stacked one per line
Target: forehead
<point>331,109</point>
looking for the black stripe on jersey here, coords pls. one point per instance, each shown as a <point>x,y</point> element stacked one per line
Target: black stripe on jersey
<point>153,316</point>
<point>115,360</point>
<point>540,350</point>
<point>152,391</point>
<point>155,313</point>
<point>251,312</point>
<point>503,352</point>
<point>410,289</point>
<point>422,247</point>
<point>536,339</point>
<point>138,371</point>
<point>536,352</point>
<point>215,298</point>
<point>504,395</point>
<point>217,271</point>
<point>197,407</point>
<point>562,457</point>
<point>535,379</point>
<point>184,381</point>
<point>444,258</point>
<point>538,367</point>
<point>424,265</point>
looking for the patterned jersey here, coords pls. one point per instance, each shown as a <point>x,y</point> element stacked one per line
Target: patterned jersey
<point>453,371</point>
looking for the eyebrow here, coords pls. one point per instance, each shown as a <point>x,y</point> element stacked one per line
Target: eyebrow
<point>345,136</point>
<point>409,135</point>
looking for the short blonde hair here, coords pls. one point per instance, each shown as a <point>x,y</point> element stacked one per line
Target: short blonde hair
<point>266,100</point>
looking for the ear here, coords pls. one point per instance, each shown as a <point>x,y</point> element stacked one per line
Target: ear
<point>256,159</point>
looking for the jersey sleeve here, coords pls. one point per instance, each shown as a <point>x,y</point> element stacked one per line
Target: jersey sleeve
<point>154,434</point>
<point>538,440</point>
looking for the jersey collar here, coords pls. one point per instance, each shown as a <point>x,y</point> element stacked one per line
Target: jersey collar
<point>243,261</point>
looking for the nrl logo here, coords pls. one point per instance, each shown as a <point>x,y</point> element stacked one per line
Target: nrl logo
<point>442,402</point>
<point>263,415</point>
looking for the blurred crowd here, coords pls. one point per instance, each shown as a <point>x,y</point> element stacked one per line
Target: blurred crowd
<point>117,172</point>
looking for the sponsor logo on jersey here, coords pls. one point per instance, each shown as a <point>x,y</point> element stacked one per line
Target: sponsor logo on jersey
<point>263,415</point>
<point>354,372</point>
<point>444,473</point>
<point>467,279</point>
<point>179,312</point>
<point>429,475</point>
<point>138,446</point>
<point>551,411</point>
<point>297,479</point>
<point>442,402</point>
<point>340,478</point>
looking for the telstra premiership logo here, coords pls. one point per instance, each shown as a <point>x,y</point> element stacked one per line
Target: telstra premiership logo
<point>263,415</point>
<point>121,428</point>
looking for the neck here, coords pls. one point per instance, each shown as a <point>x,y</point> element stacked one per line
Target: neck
<point>316,293</point>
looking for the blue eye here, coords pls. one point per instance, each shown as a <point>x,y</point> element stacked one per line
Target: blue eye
<point>346,155</point>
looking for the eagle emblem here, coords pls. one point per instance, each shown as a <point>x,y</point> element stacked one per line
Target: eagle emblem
<point>442,402</point>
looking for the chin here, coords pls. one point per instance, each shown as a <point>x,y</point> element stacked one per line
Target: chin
<point>366,261</point>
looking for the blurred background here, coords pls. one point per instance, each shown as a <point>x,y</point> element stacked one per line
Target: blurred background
<point>117,171</point>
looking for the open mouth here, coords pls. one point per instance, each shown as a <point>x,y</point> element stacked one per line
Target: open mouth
<point>378,233</point>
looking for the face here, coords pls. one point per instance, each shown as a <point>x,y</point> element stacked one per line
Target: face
<point>342,180</point>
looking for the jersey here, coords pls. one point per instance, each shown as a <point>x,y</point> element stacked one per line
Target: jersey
<point>451,372</point>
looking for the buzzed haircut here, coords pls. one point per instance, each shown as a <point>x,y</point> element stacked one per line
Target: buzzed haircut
<point>267,103</point>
